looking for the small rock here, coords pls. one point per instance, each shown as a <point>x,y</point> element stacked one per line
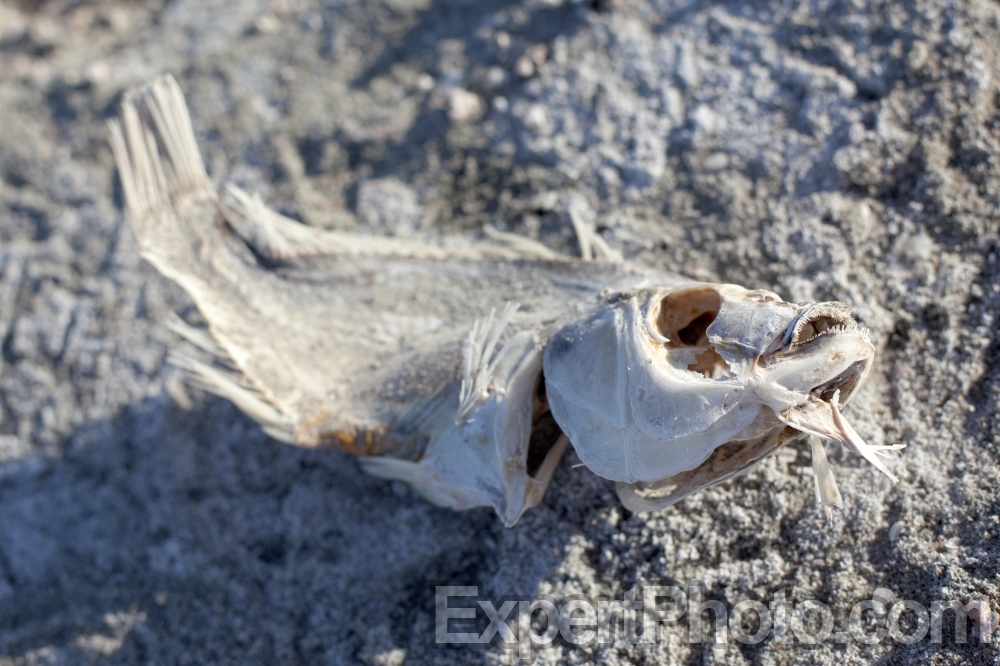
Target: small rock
<point>98,71</point>
<point>918,56</point>
<point>716,162</point>
<point>12,23</point>
<point>495,76</point>
<point>524,67</point>
<point>394,657</point>
<point>707,120</point>
<point>537,119</point>
<point>267,23</point>
<point>464,106</point>
<point>426,82</point>
<point>538,53</point>
<point>920,246</point>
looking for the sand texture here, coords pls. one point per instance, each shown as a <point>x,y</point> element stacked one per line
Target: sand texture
<point>827,150</point>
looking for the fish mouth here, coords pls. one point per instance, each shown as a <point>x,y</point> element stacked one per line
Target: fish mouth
<point>822,351</point>
<point>820,332</point>
<point>823,335</point>
<point>821,320</point>
<point>845,383</point>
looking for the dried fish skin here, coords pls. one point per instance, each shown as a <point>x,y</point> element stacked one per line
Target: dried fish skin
<point>385,348</point>
<point>392,349</point>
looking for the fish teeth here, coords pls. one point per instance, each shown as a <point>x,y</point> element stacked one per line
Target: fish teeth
<point>833,330</point>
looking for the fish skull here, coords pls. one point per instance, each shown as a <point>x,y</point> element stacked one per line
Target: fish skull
<point>650,386</point>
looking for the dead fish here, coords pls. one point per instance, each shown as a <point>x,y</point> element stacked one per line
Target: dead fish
<point>465,368</point>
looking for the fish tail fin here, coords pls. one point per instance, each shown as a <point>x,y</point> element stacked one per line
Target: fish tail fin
<point>170,200</point>
<point>181,229</point>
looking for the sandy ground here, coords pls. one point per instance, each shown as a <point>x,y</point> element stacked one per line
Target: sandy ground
<point>825,150</point>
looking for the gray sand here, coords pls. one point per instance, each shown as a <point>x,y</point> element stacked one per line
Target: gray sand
<point>827,150</point>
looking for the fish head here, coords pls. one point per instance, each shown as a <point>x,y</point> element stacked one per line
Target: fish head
<point>650,385</point>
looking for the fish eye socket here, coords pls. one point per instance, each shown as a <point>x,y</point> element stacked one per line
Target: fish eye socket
<point>685,315</point>
<point>683,319</point>
<point>694,333</point>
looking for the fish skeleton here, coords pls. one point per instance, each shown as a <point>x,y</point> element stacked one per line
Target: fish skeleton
<point>466,367</point>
